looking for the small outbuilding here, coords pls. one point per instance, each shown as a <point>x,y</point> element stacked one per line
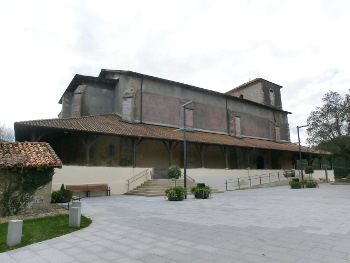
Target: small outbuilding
<point>23,163</point>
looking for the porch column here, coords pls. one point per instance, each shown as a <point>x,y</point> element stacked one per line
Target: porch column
<point>246,154</point>
<point>88,141</point>
<point>135,143</point>
<point>201,148</point>
<point>170,147</point>
<point>226,152</point>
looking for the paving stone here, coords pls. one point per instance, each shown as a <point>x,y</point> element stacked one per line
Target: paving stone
<point>257,225</point>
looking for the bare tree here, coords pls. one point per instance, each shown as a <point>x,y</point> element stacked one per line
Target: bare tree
<point>6,133</point>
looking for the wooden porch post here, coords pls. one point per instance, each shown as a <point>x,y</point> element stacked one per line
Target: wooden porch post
<point>88,141</point>
<point>201,148</point>
<point>170,147</point>
<point>226,152</point>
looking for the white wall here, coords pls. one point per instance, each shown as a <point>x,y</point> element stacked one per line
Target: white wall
<point>216,178</point>
<point>115,177</point>
<point>320,174</point>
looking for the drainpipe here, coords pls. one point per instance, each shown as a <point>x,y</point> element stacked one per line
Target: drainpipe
<point>227,119</point>
<point>141,101</point>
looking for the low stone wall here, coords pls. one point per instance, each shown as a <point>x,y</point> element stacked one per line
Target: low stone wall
<point>115,177</point>
<point>320,174</point>
<point>217,178</point>
<point>42,199</point>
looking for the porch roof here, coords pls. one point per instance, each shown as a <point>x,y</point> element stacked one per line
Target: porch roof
<point>111,124</point>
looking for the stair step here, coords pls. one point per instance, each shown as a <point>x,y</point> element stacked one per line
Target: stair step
<point>156,187</point>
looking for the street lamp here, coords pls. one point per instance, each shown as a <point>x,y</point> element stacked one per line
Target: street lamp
<point>301,163</point>
<point>185,157</point>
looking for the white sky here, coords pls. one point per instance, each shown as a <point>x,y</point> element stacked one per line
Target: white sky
<point>218,45</point>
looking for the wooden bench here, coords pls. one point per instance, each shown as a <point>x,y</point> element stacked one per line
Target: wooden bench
<point>289,173</point>
<point>88,188</point>
<point>99,188</point>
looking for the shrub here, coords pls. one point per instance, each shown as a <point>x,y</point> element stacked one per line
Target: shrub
<point>176,192</point>
<point>201,187</point>
<point>295,183</point>
<point>19,185</point>
<point>56,196</point>
<point>310,184</point>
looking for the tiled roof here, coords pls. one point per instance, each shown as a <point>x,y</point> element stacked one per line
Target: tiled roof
<point>27,154</point>
<point>247,84</point>
<point>112,124</point>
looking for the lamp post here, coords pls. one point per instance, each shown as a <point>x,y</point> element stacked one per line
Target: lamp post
<point>301,163</point>
<point>185,156</point>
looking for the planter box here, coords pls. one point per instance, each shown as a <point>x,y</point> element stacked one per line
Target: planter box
<point>201,194</point>
<point>176,198</point>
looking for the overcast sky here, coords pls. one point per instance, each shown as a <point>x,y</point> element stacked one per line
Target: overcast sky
<point>217,45</point>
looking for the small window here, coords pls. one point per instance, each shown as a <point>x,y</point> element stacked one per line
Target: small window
<point>238,126</point>
<point>189,118</point>
<point>241,96</point>
<point>111,149</point>
<point>272,97</point>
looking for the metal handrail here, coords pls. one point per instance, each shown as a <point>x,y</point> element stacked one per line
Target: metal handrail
<point>188,177</point>
<point>137,177</point>
<point>250,178</point>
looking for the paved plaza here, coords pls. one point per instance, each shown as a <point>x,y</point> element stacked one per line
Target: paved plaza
<point>274,224</point>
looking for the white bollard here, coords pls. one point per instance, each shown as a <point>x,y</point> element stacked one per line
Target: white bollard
<point>74,216</point>
<point>14,232</point>
<point>76,204</point>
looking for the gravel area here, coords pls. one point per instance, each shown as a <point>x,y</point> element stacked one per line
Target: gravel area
<point>56,209</point>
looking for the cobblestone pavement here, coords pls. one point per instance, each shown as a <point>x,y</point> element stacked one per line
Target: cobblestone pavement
<point>275,224</point>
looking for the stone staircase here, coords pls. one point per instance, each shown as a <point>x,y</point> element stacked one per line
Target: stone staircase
<point>156,187</point>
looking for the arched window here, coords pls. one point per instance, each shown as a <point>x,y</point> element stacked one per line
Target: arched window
<point>272,97</point>
<point>241,96</point>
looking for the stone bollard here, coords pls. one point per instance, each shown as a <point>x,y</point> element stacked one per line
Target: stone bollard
<point>74,216</point>
<point>76,204</point>
<point>14,232</point>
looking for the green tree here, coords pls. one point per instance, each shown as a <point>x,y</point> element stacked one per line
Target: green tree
<point>174,172</point>
<point>329,125</point>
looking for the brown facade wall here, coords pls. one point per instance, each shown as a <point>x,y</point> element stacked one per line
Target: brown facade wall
<point>152,154</point>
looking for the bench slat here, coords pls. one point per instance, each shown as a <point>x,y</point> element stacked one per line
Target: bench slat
<point>89,188</point>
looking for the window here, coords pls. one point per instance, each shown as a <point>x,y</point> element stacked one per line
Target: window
<point>272,97</point>
<point>238,126</point>
<point>189,118</point>
<point>241,96</point>
<point>111,149</point>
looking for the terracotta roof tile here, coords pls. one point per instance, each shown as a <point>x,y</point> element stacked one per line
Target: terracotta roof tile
<point>27,154</point>
<point>113,125</point>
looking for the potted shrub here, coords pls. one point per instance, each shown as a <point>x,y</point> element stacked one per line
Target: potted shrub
<point>310,184</point>
<point>175,193</point>
<point>201,191</point>
<point>59,196</point>
<point>174,173</point>
<point>295,183</point>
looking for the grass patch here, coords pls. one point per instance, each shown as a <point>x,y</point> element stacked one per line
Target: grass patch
<point>40,229</point>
